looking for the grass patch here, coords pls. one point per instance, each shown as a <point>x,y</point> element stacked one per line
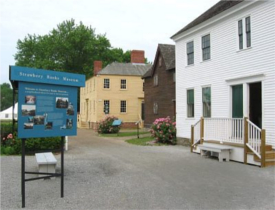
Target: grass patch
<point>121,134</point>
<point>143,141</point>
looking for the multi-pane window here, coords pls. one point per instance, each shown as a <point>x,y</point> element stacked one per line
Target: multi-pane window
<point>206,101</point>
<point>244,33</point>
<point>240,33</point>
<point>190,53</point>
<point>106,108</point>
<point>190,103</point>
<point>156,80</point>
<point>155,108</point>
<point>106,83</point>
<point>248,32</point>
<point>205,43</point>
<point>123,106</point>
<point>123,84</point>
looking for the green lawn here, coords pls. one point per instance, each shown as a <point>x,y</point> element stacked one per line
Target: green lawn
<point>143,141</point>
<point>121,134</point>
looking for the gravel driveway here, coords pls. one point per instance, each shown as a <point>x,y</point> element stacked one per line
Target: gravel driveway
<point>108,173</point>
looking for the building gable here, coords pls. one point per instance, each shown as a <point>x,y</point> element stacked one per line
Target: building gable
<point>165,56</point>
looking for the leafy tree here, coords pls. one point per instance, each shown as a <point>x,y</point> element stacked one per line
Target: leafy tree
<point>6,96</point>
<point>69,47</point>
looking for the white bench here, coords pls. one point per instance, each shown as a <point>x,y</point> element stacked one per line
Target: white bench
<point>222,150</point>
<point>46,162</point>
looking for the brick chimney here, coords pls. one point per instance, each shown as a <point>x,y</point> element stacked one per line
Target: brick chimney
<point>137,56</point>
<point>97,67</point>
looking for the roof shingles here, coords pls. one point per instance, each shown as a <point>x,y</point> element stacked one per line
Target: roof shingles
<point>168,54</point>
<point>213,11</point>
<point>128,69</point>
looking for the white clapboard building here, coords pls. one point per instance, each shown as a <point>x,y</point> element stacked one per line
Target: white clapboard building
<point>225,79</point>
<point>7,113</point>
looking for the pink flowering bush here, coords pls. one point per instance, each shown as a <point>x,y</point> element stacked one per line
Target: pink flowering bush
<point>105,125</point>
<point>9,145</point>
<point>164,130</point>
<point>9,140</point>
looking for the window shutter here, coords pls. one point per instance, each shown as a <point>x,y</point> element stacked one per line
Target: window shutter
<point>190,97</point>
<point>237,101</point>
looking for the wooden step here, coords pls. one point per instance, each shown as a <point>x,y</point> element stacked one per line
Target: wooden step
<point>270,162</point>
<point>268,147</point>
<point>268,155</point>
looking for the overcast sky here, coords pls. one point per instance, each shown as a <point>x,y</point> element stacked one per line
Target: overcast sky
<point>128,24</point>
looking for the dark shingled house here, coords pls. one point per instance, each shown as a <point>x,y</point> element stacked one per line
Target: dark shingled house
<point>159,85</point>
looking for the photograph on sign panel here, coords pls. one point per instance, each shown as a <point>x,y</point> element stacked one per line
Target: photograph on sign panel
<point>62,102</point>
<point>38,120</point>
<point>30,99</point>
<point>70,110</point>
<point>49,125</point>
<point>63,127</point>
<point>69,123</point>
<point>28,110</point>
<point>30,119</point>
<point>28,125</point>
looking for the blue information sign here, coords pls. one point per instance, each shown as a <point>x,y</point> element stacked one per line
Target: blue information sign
<point>47,102</point>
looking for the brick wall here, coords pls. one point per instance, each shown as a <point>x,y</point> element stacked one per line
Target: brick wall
<point>97,67</point>
<point>137,56</point>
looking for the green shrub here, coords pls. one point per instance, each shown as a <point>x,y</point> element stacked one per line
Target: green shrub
<point>164,130</point>
<point>6,128</point>
<point>35,144</point>
<point>8,150</point>
<point>105,125</point>
<point>12,145</point>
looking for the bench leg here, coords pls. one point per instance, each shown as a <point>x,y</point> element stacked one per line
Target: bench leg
<point>51,169</point>
<point>203,152</point>
<point>224,155</point>
<point>42,168</point>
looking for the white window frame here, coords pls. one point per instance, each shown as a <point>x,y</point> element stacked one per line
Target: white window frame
<point>187,54</point>
<point>207,86</point>
<point>123,86</point>
<point>160,61</point>
<point>155,108</point>
<point>187,115</point>
<point>201,50</point>
<point>106,102</point>
<point>243,19</point>
<point>109,83</point>
<point>121,108</point>
<point>156,80</point>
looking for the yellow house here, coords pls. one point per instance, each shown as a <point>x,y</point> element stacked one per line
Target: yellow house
<point>116,90</point>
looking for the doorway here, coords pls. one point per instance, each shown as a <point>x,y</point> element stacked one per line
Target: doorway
<point>142,111</point>
<point>255,103</point>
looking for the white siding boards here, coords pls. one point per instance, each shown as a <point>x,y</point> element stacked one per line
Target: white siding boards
<point>228,65</point>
